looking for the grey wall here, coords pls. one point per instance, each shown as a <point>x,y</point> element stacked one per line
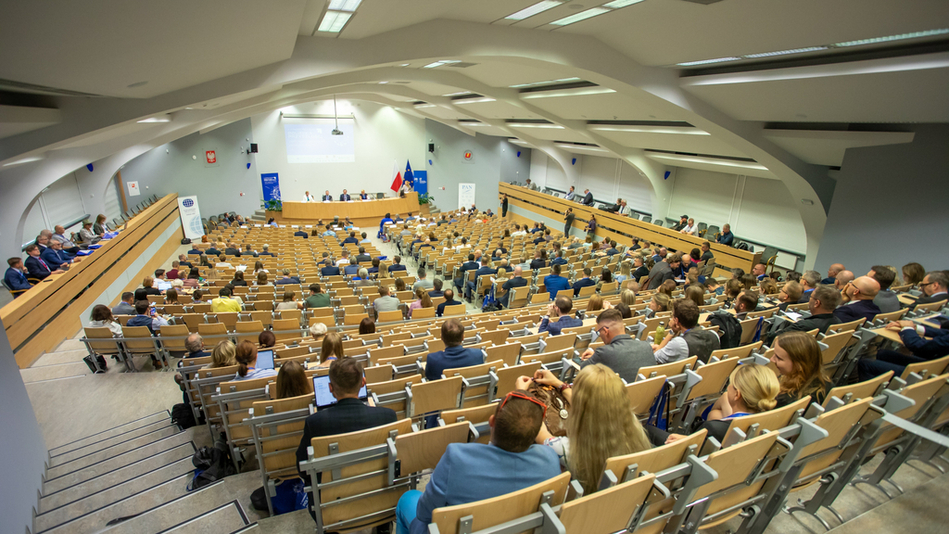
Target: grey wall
<point>24,451</point>
<point>889,207</point>
<point>494,160</point>
<point>171,169</point>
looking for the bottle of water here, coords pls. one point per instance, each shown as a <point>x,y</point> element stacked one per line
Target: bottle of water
<point>660,333</point>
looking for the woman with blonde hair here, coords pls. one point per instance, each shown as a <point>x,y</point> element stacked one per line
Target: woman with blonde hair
<point>628,297</point>
<point>797,357</point>
<point>595,303</point>
<point>600,425</point>
<point>223,355</point>
<point>625,268</point>
<point>768,286</point>
<point>331,349</point>
<point>422,301</point>
<point>696,293</point>
<point>660,303</point>
<point>292,381</point>
<point>752,388</point>
<point>913,273</point>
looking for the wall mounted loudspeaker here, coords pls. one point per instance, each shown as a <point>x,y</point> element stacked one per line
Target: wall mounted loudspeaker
<point>253,148</point>
<point>431,147</point>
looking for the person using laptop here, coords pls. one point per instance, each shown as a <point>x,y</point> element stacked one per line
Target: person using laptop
<point>251,364</point>
<point>349,414</point>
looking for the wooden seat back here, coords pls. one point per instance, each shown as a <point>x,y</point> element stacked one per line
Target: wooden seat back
<point>606,511</point>
<point>642,394</point>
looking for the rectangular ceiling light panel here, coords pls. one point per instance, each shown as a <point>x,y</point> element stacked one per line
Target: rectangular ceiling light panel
<point>334,21</point>
<point>787,52</point>
<point>583,15</point>
<point>539,7</point>
<point>344,5</point>
<point>888,38</point>
<point>616,4</point>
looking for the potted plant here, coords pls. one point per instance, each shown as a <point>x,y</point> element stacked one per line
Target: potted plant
<point>273,205</point>
<point>424,198</point>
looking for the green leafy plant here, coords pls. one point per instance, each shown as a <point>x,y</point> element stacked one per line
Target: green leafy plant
<point>423,198</point>
<point>273,205</point>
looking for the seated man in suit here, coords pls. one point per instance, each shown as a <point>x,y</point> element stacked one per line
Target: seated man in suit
<point>147,318</point>
<point>583,282</point>
<point>858,300</point>
<point>55,255</point>
<point>436,291</point>
<point>559,260</point>
<point>350,269</point>
<point>517,280</point>
<point>327,197</point>
<point>266,251</point>
<point>470,265</point>
<point>287,279</point>
<point>232,250</point>
<point>15,276</point>
<point>485,269</point>
<point>362,256</point>
<point>559,309</point>
<point>66,244</point>
<point>195,250</point>
<point>621,353</point>
<point>832,273</point>
<point>934,286</point>
<point>922,350</point>
<point>886,300</point>
<point>449,301</point>
<point>554,282</point>
<point>809,281</point>
<point>329,270</point>
<point>345,196</point>
<point>351,239</point>
<point>538,262</point>
<point>396,264</point>
<point>125,306</point>
<point>299,233</point>
<point>513,461</point>
<point>455,354</point>
<point>349,414</point>
<point>37,266</point>
<point>824,300</point>
<point>587,198</point>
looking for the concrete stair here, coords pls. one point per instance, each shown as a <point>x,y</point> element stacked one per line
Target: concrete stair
<point>259,215</point>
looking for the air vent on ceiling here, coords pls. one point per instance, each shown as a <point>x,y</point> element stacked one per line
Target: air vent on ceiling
<point>403,82</point>
<point>558,87</point>
<point>710,156</point>
<point>664,124</point>
<point>460,65</point>
<point>40,89</point>
<point>528,121</point>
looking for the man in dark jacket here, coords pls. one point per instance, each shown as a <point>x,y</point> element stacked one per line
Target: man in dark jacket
<point>860,294</point>
<point>911,336</point>
<point>349,414</point>
<point>455,354</point>
<point>516,281</point>
<point>470,265</point>
<point>823,302</point>
<point>560,310</point>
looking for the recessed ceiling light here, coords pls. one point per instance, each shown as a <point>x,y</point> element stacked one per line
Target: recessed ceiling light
<point>344,5</point>
<point>459,93</point>
<point>710,161</point>
<point>571,146</point>
<point>334,21</point>
<point>534,125</point>
<point>155,119</point>
<point>383,83</point>
<point>616,4</point>
<point>534,84</point>
<point>473,100</point>
<point>425,105</point>
<point>646,129</point>
<point>888,38</point>
<point>579,91</point>
<point>24,160</point>
<point>583,15</point>
<point>539,7</point>
<point>787,52</point>
<point>708,61</point>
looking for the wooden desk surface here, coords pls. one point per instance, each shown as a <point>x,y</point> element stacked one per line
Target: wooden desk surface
<point>906,300</point>
<point>608,224</point>
<point>361,212</point>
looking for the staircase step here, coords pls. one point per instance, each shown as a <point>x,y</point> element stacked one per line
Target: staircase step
<point>131,505</point>
<point>171,513</point>
<point>92,502</point>
<point>140,468</point>
<point>110,452</point>
<point>127,458</point>
<point>222,520</point>
<point>106,434</point>
<point>99,446</point>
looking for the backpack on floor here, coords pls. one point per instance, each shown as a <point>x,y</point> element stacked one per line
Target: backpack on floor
<point>729,329</point>
<point>97,365</point>
<point>211,464</point>
<point>182,416</point>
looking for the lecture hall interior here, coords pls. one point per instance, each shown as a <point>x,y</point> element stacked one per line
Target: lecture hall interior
<point>217,214</point>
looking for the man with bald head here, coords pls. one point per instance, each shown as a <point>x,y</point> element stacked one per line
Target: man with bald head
<point>832,273</point>
<point>860,293</point>
<point>842,279</point>
<point>60,236</point>
<point>760,271</point>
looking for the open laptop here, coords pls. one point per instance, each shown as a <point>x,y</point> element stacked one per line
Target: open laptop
<point>162,285</point>
<point>264,359</point>
<point>321,390</point>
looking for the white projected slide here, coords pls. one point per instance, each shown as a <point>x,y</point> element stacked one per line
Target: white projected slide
<point>314,142</point>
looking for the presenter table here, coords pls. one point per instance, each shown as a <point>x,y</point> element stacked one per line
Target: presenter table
<point>361,212</point>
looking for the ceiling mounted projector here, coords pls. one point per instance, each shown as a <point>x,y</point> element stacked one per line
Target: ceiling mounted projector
<point>336,131</point>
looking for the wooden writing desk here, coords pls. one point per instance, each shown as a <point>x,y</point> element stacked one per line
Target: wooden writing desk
<point>363,213</point>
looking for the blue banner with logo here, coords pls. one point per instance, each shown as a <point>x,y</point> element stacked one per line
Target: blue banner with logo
<point>270,183</point>
<point>421,181</point>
